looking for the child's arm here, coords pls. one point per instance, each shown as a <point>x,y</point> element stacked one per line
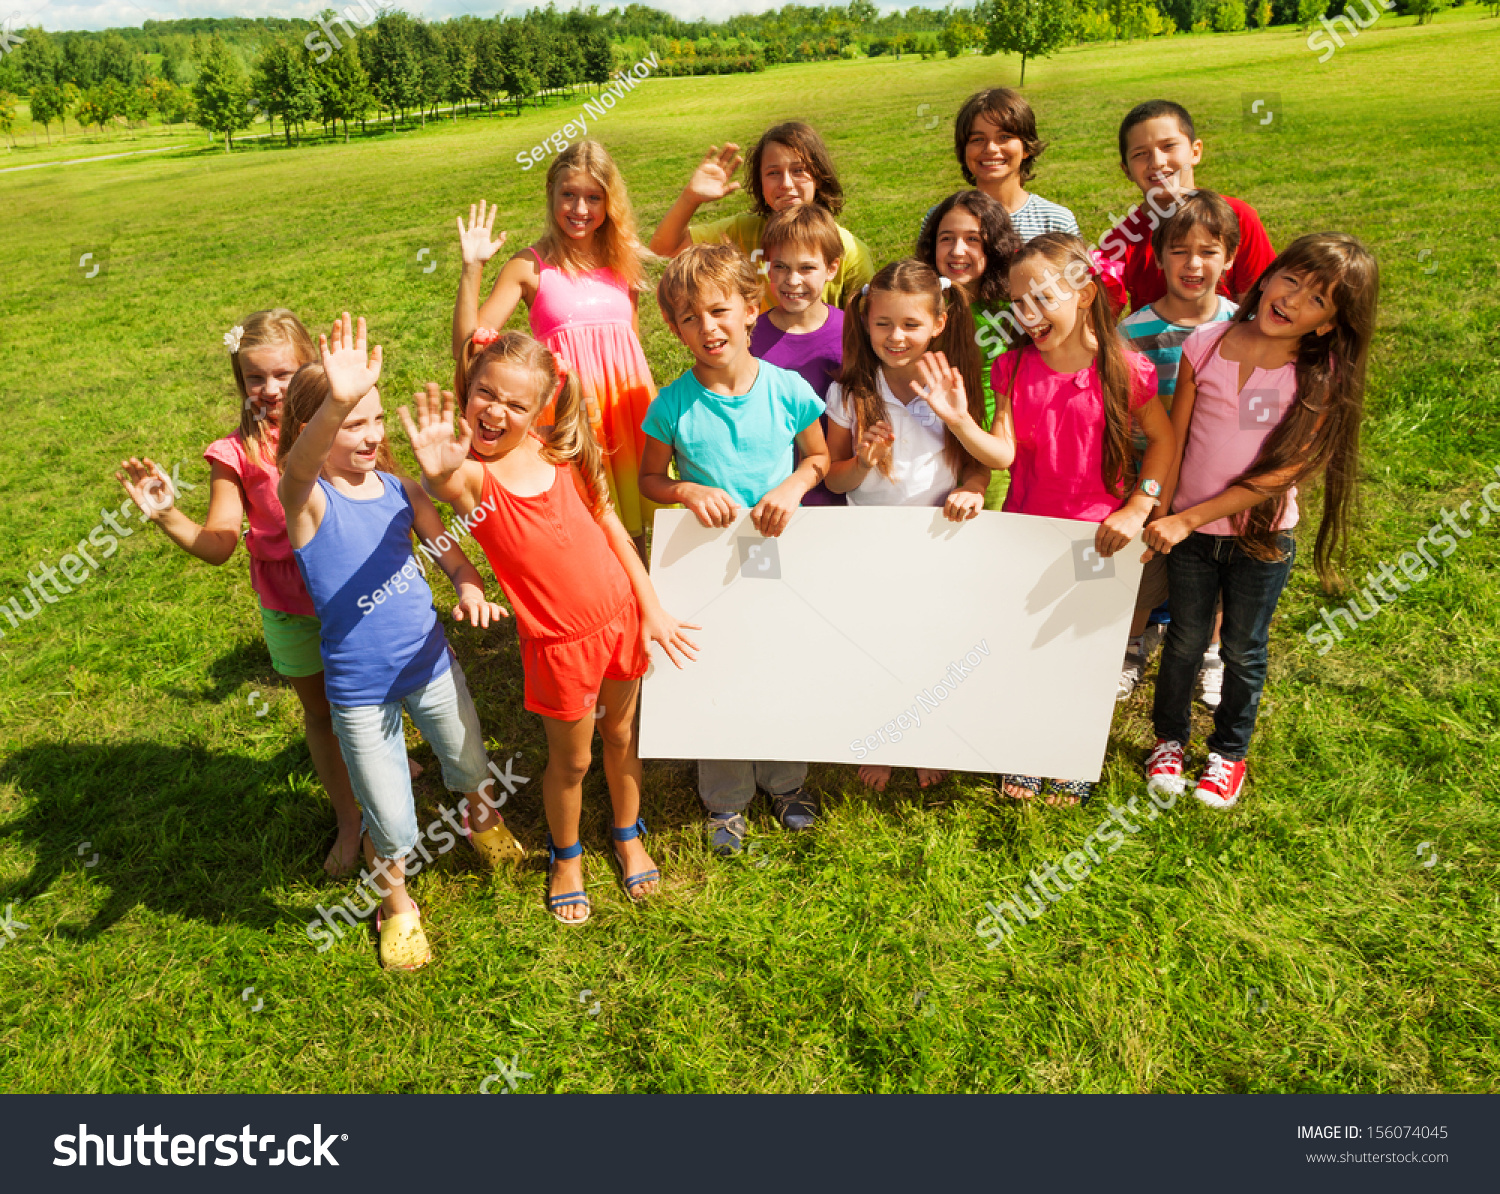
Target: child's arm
<point>1183,400</point>
<point>851,463</point>
<point>466,580</point>
<point>967,500</point>
<point>1166,533</point>
<point>709,183</point>
<point>943,388</point>
<point>712,507</point>
<point>151,490</point>
<point>476,246</point>
<point>774,511</point>
<point>447,472</point>
<point>351,375</point>
<point>1161,447</point>
<point>657,626</point>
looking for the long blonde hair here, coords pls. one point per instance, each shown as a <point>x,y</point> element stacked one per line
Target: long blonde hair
<point>259,329</point>
<point>570,439</point>
<point>619,246</point>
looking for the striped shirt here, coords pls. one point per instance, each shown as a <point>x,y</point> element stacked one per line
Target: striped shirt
<point>1148,333</point>
<point>1032,218</point>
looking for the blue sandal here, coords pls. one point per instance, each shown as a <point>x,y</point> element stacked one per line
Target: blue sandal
<point>631,882</point>
<point>554,902</point>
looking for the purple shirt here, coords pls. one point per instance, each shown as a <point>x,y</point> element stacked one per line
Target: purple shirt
<point>817,356</point>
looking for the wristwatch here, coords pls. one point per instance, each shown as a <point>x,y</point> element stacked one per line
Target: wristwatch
<point>1152,489</point>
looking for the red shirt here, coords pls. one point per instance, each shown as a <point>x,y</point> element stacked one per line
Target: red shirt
<point>1145,281</point>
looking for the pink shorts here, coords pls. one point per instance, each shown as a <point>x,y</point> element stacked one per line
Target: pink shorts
<point>563,675</point>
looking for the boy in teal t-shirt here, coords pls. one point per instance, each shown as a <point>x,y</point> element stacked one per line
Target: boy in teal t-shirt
<point>730,423</point>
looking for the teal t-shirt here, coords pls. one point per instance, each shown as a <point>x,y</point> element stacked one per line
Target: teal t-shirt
<point>742,445</point>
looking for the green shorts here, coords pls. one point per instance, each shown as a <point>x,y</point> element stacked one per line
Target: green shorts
<point>293,641</point>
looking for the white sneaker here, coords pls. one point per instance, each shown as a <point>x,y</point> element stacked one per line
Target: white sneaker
<point>1131,671</point>
<point>1211,679</point>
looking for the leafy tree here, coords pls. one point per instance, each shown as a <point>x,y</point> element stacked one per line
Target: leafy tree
<point>1423,10</point>
<point>8,118</point>
<point>1263,14</point>
<point>1229,16</point>
<point>344,88</point>
<point>221,92</point>
<point>119,60</point>
<point>37,60</point>
<point>458,49</point>
<point>1030,28</point>
<point>598,62</point>
<point>394,70</point>
<point>172,102</point>
<point>136,105</point>
<point>488,79</point>
<point>432,67</point>
<point>284,87</point>
<point>92,108</point>
<point>519,63</point>
<point>48,103</point>
<point>1308,11</point>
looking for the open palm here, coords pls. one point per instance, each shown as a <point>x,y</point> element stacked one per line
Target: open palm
<point>476,243</point>
<point>711,180</point>
<point>941,386</point>
<point>439,449</point>
<point>352,372</point>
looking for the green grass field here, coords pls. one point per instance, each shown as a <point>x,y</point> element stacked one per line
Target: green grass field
<point>1296,943</point>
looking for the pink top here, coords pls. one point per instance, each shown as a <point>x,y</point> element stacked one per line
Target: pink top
<point>564,301</point>
<point>1229,424</point>
<point>273,567</point>
<point>1059,421</point>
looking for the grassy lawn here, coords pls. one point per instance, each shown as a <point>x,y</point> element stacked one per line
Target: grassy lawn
<point>1296,943</point>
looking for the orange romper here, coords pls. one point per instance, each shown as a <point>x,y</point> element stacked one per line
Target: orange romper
<point>575,610</point>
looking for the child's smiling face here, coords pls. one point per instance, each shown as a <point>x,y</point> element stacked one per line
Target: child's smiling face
<point>785,180</point>
<point>1292,305</point>
<point>993,155</point>
<point>581,206</point>
<point>1193,265</point>
<point>901,326</point>
<point>960,246</point>
<point>1049,309</point>
<point>1159,154</point>
<point>268,371</point>
<point>502,405</point>
<point>359,439</point>
<point>716,328</point>
<point>797,274</point>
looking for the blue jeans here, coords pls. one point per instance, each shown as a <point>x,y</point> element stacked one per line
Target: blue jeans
<point>1201,569</point>
<point>374,747</point>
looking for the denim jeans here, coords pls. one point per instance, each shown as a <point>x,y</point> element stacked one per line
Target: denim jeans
<point>728,785</point>
<point>1202,568</point>
<point>374,748</point>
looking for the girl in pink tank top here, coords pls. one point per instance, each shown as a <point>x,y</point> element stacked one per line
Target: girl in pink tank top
<point>585,609</point>
<point>580,283</point>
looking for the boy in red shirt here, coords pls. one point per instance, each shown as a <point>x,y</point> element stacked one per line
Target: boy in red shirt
<point>1158,150</point>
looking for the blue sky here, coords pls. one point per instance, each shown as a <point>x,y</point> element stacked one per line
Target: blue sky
<point>57,15</point>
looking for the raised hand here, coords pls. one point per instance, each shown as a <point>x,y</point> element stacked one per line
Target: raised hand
<point>874,444</point>
<point>147,486</point>
<point>475,241</point>
<point>440,451</point>
<point>942,386</point>
<point>711,180</point>
<point>352,372</point>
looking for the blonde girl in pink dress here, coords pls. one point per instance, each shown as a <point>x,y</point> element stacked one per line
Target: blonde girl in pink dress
<point>580,283</point>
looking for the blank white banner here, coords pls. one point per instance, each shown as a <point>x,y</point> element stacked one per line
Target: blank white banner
<point>890,635</point>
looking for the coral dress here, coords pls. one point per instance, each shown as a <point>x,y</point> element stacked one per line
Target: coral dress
<point>588,318</point>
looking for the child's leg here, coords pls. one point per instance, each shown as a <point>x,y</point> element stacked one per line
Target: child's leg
<point>374,749</point>
<point>569,752</point>
<point>622,770</point>
<point>317,722</point>
<point>1251,590</point>
<point>726,786</point>
<point>1195,589</point>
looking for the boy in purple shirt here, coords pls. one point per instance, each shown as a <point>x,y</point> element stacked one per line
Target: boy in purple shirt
<point>802,333</point>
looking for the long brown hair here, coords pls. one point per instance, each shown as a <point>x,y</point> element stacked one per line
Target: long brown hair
<point>307,393</point>
<point>857,377</point>
<point>806,144</point>
<point>570,439</point>
<point>260,329</point>
<point>619,246</point>
<point>1070,256</point>
<point>1320,429</point>
<point>999,235</point>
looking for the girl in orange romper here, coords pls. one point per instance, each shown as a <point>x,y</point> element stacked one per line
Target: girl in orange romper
<point>585,609</point>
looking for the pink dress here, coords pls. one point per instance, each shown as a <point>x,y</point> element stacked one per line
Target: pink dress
<point>273,567</point>
<point>588,319</point>
<point>1059,422</point>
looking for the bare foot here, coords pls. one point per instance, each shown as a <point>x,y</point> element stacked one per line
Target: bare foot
<point>414,767</point>
<point>1017,791</point>
<point>875,776</point>
<point>567,877</point>
<point>343,859</point>
<point>926,777</point>
<point>634,858</point>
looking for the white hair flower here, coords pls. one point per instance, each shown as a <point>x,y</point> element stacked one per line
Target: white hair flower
<point>232,338</point>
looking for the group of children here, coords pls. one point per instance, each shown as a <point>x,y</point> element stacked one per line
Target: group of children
<point>818,379</point>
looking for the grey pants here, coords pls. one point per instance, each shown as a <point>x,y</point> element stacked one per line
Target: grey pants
<point>728,785</point>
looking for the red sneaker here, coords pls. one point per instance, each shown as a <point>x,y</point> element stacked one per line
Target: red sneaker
<point>1221,781</point>
<point>1164,768</point>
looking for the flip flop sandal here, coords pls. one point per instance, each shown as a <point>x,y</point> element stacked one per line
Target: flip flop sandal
<point>403,944</point>
<point>1081,789</point>
<point>567,898</point>
<point>1030,783</point>
<point>631,882</point>
<point>495,845</point>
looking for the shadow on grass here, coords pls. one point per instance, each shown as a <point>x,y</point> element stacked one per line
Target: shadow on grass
<point>179,830</point>
<point>249,661</point>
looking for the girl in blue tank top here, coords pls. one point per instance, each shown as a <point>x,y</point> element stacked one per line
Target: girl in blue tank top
<point>350,521</point>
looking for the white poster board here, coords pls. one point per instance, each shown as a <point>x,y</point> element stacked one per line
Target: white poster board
<point>890,635</point>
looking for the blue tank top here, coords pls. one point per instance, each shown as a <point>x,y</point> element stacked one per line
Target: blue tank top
<point>381,637</point>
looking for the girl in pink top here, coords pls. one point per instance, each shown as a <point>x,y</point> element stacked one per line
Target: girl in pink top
<point>580,283</point>
<point>1264,402</point>
<point>1063,418</point>
<point>265,349</point>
